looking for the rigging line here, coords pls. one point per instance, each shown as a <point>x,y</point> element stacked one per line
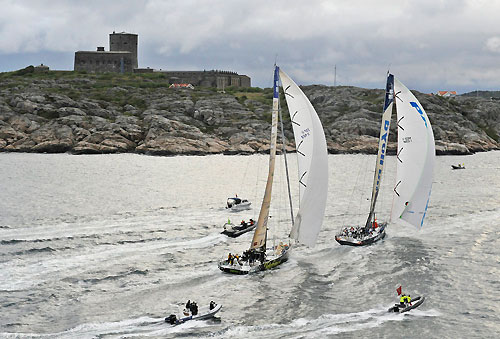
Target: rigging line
<point>350,202</point>
<point>362,184</point>
<point>283,142</point>
<point>256,183</point>
<point>367,181</point>
<point>245,173</point>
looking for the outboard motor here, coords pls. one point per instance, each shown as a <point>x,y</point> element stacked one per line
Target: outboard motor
<point>171,319</point>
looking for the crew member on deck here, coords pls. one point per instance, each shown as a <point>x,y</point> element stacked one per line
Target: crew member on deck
<point>194,308</point>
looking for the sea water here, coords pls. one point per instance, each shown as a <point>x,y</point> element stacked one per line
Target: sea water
<point>107,246</point>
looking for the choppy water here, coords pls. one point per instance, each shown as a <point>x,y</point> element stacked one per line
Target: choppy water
<point>107,246</point>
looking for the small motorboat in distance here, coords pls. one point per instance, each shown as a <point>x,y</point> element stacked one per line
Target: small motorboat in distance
<point>237,204</point>
<point>191,313</point>
<point>406,303</point>
<point>233,231</point>
<point>459,166</point>
<point>416,302</point>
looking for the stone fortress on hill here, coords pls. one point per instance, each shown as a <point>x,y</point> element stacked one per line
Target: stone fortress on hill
<point>122,58</point>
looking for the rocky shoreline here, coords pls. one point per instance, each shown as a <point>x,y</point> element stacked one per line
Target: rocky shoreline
<point>60,112</point>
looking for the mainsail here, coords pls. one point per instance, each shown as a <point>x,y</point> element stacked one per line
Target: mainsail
<point>415,159</point>
<point>260,235</point>
<point>382,144</point>
<point>312,154</point>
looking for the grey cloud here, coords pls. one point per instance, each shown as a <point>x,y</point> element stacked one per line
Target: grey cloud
<point>430,44</point>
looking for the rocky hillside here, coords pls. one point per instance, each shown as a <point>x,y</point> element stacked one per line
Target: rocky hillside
<point>82,113</point>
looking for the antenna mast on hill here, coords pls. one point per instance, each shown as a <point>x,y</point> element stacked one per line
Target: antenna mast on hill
<point>335,77</point>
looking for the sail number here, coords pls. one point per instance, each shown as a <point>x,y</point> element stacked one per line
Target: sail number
<point>406,140</point>
<point>305,133</point>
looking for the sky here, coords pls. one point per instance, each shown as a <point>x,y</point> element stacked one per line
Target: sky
<point>429,45</point>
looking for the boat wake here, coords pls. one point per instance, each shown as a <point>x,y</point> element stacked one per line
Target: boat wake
<point>79,263</point>
<point>327,324</point>
<point>139,327</point>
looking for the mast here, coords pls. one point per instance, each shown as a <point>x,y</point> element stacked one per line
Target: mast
<point>335,77</point>
<point>382,144</point>
<point>260,235</point>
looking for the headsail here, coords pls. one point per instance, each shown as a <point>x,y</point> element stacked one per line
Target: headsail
<point>260,235</point>
<point>312,156</point>
<point>415,159</point>
<point>382,143</point>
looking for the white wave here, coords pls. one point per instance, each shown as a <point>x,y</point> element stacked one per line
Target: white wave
<point>139,327</point>
<point>29,272</point>
<point>327,324</point>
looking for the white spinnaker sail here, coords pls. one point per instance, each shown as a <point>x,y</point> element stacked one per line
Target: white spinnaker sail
<point>312,157</point>
<point>415,159</point>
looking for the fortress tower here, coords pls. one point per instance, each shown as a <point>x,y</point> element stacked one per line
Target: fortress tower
<point>121,58</point>
<point>120,42</point>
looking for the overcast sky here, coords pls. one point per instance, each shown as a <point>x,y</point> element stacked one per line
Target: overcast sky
<point>429,45</point>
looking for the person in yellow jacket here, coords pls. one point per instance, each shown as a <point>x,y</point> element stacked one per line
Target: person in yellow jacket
<point>405,299</point>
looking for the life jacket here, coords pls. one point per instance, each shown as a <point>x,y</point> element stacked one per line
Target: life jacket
<point>402,299</point>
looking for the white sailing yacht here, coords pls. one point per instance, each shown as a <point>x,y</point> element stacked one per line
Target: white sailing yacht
<point>415,163</point>
<point>310,144</point>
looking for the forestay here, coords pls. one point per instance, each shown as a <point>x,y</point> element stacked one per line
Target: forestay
<point>415,159</point>
<point>312,157</point>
